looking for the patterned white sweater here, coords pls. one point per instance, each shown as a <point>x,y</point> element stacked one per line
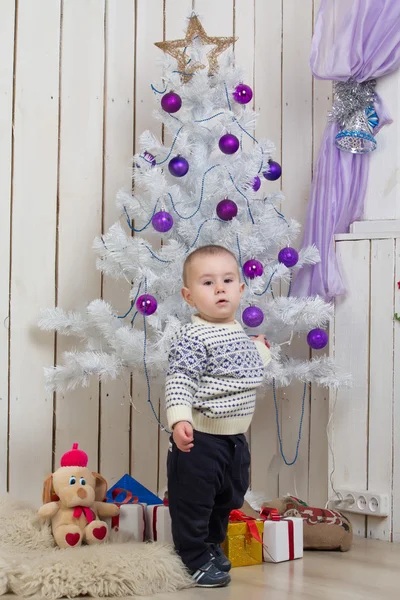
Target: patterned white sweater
<point>214,371</point>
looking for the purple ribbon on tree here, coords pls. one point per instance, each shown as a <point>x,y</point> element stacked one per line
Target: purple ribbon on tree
<point>359,41</point>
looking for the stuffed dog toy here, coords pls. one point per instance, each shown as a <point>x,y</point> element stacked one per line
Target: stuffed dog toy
<point>73,501</point>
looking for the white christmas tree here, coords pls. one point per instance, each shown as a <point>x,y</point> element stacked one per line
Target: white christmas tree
<point>202,188</point>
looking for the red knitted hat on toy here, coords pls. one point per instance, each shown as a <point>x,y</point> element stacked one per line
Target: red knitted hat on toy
<point>74,458</point>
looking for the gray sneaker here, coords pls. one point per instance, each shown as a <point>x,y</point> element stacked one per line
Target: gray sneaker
<point>222,563</point>
<point>209,576</point>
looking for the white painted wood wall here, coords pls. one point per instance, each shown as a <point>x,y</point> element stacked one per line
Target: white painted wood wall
<point>74,96</point>
<point>366,338</point>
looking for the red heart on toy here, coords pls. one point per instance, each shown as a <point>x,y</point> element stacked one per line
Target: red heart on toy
<point>72,538</point>
<point>100,533</point>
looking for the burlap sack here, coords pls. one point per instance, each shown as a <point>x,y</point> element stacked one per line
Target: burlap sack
<point>323,529</point>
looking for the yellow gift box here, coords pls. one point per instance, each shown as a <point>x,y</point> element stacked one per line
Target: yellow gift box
<point>240,547</point>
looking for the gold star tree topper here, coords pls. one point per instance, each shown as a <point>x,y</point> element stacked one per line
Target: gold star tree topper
<point>177,49</point>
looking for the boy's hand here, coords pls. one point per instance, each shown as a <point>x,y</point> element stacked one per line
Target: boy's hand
<point>183,436</point>
<point>261,338</point>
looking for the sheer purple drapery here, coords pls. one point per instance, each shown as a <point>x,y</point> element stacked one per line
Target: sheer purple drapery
<point>357,39</point>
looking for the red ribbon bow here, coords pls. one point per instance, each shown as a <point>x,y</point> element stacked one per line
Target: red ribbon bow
<point>129,498</point>
<point>238,515</point>
<point>89,514</point>
<point>270,513</point>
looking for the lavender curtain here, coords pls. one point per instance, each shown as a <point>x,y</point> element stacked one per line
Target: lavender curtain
<point>358,39</point>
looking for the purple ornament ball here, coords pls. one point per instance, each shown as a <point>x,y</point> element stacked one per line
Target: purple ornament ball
<point>171,102</point>
<point>252,316</point>
<point>253,268</point>
<point>273,172</point>
<point>227,209</point>
<point>289,257</point>
<point>243,93</point>
<point>146,304</point>
<point>228,143</point>
<point>256,183</point>
<point>317,339</point>
<point>178,166</point>
<point>162,221</point>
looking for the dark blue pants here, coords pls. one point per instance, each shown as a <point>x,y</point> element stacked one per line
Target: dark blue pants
<point>204,485</point>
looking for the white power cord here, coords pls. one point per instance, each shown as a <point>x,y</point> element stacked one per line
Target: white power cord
<point>339,502</point>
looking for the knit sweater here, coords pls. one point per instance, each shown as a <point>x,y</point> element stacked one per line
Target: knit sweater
<point>214,371</point>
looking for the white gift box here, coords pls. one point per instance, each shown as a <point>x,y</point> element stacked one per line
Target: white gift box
<point>131,520</point>
<point>158,524</point>
<point>283,539</point>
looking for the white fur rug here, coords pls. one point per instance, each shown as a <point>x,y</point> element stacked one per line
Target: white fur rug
<point>30,565</point>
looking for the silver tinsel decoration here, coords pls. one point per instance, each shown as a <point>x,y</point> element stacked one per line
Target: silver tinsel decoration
<point>351,97</point>
<point>353,109</point>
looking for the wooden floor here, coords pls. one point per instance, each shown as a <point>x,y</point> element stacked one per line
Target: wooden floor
<point>370,571</point>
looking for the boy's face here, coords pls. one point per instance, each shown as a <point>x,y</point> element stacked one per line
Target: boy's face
<point>213,287</point>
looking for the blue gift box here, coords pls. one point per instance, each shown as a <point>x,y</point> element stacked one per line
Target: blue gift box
<point>137,489</point>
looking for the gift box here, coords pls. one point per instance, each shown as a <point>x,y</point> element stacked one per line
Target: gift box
<point>127,483</point>
<point>282,537</point>
<point>159,524</point>
<point>132,514</point>
<point>131,520</point>
<point>243,543</point>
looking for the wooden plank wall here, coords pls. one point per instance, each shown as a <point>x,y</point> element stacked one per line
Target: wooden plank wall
<point>383,194</point>
<point>366,342</point>
<point>365,337</point>
<point>74,97</point>
<point>34,208</point>
<point>7,25</point>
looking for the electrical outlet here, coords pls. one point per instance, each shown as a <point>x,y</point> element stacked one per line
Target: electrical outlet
<point>363,502</point>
